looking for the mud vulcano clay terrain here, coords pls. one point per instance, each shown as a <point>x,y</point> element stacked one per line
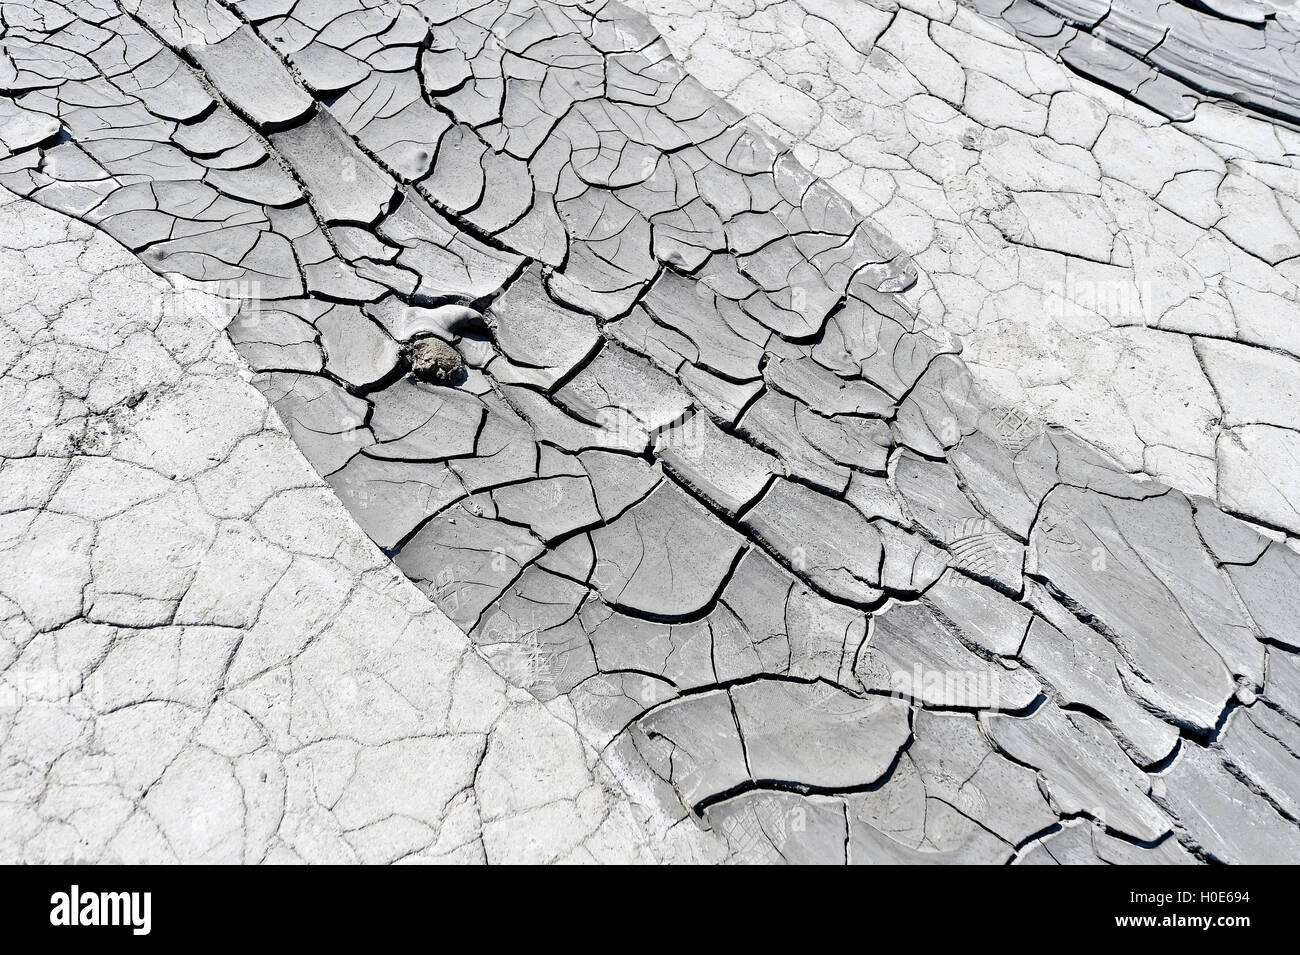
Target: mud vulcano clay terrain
<point>517,430</point>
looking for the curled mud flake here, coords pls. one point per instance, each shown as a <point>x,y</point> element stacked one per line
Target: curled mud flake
<point>432,359</point>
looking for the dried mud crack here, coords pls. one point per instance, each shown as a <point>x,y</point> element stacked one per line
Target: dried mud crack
<point>649,411</point>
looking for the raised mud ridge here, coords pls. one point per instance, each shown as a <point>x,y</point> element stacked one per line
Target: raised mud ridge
<point>695,466</point>
<point>1170,55</point>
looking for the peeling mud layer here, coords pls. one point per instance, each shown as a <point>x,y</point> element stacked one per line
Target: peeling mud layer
<point>679,440</point>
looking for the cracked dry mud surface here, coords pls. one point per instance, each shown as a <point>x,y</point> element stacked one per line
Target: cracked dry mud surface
<point>204,658</point>
<point>1160,325</point>
<point>642,402</point>
<point>1170,55</point>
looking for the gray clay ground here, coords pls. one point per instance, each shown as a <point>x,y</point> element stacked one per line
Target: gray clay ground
<point>596,477</point>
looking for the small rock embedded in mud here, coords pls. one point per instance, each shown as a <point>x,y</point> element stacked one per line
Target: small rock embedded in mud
<point>432,359</point>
